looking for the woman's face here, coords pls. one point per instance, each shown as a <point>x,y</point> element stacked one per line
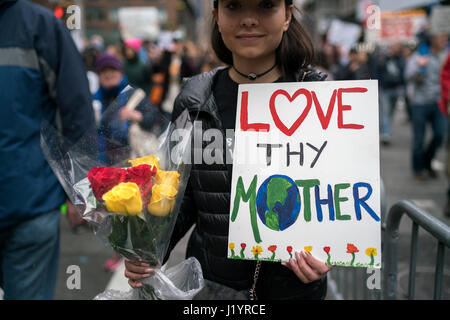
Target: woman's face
<point>252,29</point>
<point>109,78</point>
<point>130,53</point>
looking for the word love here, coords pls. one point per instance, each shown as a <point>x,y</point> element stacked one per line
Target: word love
<point>311,99</point>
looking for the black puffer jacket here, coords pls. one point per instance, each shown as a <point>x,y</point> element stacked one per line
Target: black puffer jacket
<point>207,204</point>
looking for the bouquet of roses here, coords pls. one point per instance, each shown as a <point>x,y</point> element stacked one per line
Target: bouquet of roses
<point>133,204</point>
<point>142,198</point>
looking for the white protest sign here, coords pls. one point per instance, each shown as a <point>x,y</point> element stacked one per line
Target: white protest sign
<point>139,22</point>
<point>306,173</point>
<point>440,23</point>
<point>343,33</point>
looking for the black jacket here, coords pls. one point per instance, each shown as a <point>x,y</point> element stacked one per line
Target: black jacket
<point>207,203</point>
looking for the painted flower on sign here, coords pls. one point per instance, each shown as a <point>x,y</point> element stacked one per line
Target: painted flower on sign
<point>289,250</point>
<point>352,250</point>
<point>231,246</point>
<point>272,249</point>
<point>243,246</point>
<point>308,249</point>
<point>327,251</point>
<point>371,252</point>
<point>257,250</point>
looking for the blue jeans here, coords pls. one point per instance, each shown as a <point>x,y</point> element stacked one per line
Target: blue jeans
<point>29,255</point>
<point>422,154</point>
<point>388,99</point>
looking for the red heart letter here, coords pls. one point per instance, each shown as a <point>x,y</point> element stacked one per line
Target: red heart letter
<point>290,131</point>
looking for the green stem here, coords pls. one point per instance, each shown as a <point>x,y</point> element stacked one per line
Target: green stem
<point>353,259</point>
<point>147,291</point>
<point>290,254</point>
<point>273,256</point>
<point>233,256</point>
<point>256,256</point>
<point>329,260</point>
<point>372,260</point>
<point>242,253</point>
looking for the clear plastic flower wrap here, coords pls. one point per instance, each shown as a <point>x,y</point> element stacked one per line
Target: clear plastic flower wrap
<point>131,198</point>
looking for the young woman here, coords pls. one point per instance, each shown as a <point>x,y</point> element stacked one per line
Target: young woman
<point>262,42</point>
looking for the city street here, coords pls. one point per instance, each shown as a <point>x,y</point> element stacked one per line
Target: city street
<point>83,249</point>
<point>108,76</point>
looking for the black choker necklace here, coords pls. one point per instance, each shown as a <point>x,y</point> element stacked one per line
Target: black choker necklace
<point>253,76</point>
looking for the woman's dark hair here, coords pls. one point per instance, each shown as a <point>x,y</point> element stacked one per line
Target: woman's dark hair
<point>295,52</point>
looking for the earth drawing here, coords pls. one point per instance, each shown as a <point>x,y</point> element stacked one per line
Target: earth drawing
<point>278,202</point>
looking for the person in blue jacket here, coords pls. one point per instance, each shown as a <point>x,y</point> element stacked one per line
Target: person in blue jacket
<point>42,79</point>
<point>113,117</point>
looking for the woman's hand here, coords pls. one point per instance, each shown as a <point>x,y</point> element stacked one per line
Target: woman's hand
<point>73,216</point>
<point>136,271</point>
<point>130,115</point>
<point>307,268</point>
<point>423,61</point>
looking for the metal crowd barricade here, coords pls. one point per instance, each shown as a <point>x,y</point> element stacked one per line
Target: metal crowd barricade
<point>420,218</point>
<point>345,283</point>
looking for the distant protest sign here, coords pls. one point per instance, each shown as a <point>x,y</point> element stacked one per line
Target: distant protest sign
<point>397,26</point>
<point>440,22</point>
<point>343,33</point>
<point>139,22</point>
<point>306,173</point>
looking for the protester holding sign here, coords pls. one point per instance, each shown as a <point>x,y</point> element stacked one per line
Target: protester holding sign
<point>262,42</point>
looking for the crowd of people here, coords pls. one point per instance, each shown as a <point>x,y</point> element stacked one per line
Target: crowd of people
<point>150,65</point>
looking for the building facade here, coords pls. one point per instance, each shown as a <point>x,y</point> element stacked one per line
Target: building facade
<point>101,16</point>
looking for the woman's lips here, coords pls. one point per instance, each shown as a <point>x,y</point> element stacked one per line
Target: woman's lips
<point>250,37</point>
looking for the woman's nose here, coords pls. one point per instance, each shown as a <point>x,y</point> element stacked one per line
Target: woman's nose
<point>249,20</point>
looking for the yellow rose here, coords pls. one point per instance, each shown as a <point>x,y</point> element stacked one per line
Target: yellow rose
<point>170,178</point>
<point>231,246</point>
<point>150,160</point>
<point>124,199</point>
<point>162,201</point>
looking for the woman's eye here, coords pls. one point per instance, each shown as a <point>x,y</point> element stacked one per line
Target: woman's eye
<point>267,5</point>
<point>233,5</point>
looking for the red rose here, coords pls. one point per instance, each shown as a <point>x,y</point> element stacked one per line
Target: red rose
<point>103,179</point>
<point>327,250</point>
<point>243,245</point>
<point>142,176</point>
<point>289,249</point>
<point>272,248</point>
